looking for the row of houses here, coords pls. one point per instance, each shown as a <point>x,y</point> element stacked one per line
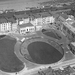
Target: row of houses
<point>22,22</point>
<point>67,26</point>
<point>7,25</point>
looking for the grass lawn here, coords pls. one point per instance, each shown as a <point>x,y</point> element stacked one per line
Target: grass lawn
<point>51,33</point>
<point>8,60</point>
<point>43,53</point>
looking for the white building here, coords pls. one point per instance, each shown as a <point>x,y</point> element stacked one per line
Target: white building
<point>14,25</point>
<point>26,28</point>
<point>47,18</point>
<point>42,18</point>
<point>5,26</point>
<point>39,27</point>
<point>38,19</point>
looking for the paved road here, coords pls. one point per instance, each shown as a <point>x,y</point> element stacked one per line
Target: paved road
<point>54,66</point>
<point>34,70</point>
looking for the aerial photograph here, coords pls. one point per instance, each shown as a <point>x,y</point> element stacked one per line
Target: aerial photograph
<point>37,37</point>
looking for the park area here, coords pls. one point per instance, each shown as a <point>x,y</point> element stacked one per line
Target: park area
<point>8,60</point>
<point>41,52</point>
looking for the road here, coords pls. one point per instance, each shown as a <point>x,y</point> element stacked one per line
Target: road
<point>32,71</point>
<point>54,66</point>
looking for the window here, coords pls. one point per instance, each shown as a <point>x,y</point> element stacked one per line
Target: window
<point>27,29</point>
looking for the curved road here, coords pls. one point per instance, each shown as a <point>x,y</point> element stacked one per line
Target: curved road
<point>31,71</point>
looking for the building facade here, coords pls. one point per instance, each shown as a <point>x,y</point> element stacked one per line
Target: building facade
<point>5,26</point>
<point>22,18</point>
<point>26,28</point>
<point>69,31</point>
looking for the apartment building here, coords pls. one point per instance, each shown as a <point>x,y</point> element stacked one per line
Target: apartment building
<point>66,23</point>
<point>68,28</point>
<point>37,19</point>
<point>13,23</point>
<point>5,26</point>
<point>33,20</point>
<point>26,28</point>
<point>42,19</point>
<point>47,18</point>
<point>22,18</point>
<point>59,18</point>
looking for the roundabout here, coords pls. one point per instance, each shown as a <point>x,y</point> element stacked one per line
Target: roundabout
<point>41,51</point>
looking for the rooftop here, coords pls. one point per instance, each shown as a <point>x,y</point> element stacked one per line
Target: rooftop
<point>19,16</point>
<point>25,25</point>
<point>45,14</point>
<point>10,19</point>
<point>37,15</point>
<point>3,20</point>
<point>65,16</point>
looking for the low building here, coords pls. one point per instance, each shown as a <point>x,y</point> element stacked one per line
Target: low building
<point>26,28</point>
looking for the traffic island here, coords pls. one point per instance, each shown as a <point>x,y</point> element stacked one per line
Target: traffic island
<point>41,51</point>
<point>44,53</point>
